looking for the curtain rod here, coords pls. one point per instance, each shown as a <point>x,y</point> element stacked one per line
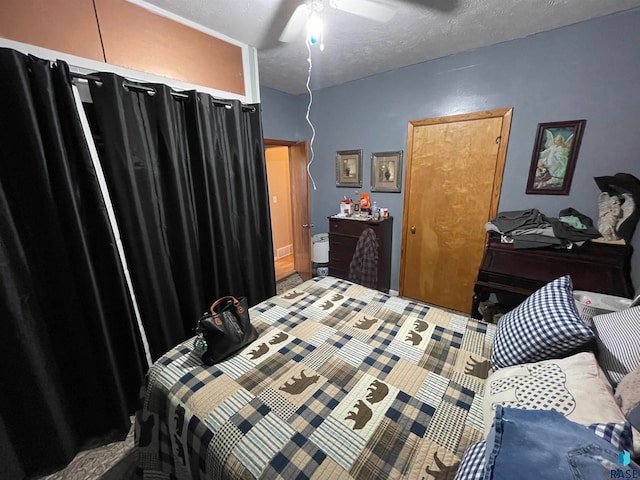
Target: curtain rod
<point>143,88</point>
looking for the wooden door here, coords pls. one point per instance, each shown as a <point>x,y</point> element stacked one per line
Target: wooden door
<point>300,208</point>
<point>452,188</point>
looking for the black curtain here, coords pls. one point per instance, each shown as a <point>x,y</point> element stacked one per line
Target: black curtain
<point>188,181</point>
<point>72,362</point>
<point>232,198</point>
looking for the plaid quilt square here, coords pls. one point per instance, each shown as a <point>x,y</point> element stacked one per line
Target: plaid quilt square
<point>277,403</point>
<point>459,395</point>
<point>388,452</point>
<point>433,389</point>
<point>379,363</point>
<point>316,409</point>
<point>340,373</point>
<point>297,460</point>
<point>410,415</point>
<point>263,442</point>
<point>441,353</point>
<point>260,376</point>
<point>390,317</point>
<point>296,350</point>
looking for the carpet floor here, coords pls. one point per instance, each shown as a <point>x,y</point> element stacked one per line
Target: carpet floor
<point>288,283</point>
<point>114,461</point>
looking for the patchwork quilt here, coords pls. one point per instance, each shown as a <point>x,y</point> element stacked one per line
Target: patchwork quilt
<point>343,382</point>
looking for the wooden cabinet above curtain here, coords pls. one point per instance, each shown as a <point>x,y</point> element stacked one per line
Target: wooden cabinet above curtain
<point>136,38</point>
<point>64,25</point>
<point>123,34</point>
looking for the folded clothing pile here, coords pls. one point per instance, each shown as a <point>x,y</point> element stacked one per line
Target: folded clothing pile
<point>532,229</point>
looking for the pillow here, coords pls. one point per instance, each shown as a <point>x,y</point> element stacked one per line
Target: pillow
<point>546,325</point>
<point>628,398</point>
<point>472,463</point>
<point>620,435</point>
<point>628,392</point>
<point>572,386</point>
<point>618,340</point>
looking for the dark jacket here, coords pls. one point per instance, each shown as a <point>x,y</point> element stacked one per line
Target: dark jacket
<point>363,268</point>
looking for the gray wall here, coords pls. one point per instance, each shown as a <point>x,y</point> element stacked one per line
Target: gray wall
<point>282,115</point>
<point>586,71</point>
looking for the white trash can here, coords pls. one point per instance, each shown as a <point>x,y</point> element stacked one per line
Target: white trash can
<point>320,254</point>
<point>590,304</point>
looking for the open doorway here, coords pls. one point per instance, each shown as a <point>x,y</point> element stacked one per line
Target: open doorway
<point>280,204</point>
<point>289,201</point>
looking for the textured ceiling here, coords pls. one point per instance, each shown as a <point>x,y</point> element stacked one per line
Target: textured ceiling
<point>356,47</point>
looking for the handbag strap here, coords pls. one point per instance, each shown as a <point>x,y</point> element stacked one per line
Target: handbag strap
<point>236,304</point>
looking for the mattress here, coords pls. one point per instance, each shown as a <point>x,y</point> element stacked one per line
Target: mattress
<point>343,382</point>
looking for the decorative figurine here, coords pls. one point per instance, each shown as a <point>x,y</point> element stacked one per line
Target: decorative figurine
<point>618,206</point>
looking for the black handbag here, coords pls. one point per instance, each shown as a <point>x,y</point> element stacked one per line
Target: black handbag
<point>224,329</point>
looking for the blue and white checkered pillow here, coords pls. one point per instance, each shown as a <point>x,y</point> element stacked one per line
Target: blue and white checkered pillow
<point>619,435</point>
<point>546,325</point>
<point>472,463</point>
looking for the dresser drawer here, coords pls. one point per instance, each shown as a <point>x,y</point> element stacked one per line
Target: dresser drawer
<point>352,227</point>
<point>341,258</point>
<point>342,243</point>
<point>338,272</point>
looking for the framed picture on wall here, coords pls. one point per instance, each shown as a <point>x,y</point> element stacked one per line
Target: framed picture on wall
<point>554,157</point>
<point>386,171</point>
<point>349,168</point>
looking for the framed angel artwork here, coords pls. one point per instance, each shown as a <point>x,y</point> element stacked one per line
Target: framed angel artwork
<point>554,157</point>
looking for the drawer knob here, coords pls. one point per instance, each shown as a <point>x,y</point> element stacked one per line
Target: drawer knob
<point>413,229</point>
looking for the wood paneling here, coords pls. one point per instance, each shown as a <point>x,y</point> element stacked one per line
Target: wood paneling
<point>138,39</point>
<point>68,26</point>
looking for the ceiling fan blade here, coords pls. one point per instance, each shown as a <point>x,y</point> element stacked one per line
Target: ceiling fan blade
<point>366,8</point>
<point>296,24</point>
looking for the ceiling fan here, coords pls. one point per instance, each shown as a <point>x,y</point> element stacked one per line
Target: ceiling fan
<point>302,16</point>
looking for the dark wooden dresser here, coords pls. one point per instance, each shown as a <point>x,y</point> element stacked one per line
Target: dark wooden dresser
<point>343,237</point>
<point>515,274</point>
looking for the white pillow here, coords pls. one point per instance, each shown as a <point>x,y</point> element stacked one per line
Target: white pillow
<point>572,386</point>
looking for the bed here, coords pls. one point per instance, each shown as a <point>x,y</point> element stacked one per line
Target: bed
<point>343,382</point>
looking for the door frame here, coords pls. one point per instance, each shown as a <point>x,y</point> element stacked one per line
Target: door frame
<point>506,114</point>
<point>299,252</point>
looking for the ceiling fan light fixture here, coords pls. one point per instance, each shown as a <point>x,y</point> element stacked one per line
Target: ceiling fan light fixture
<point>308,14</point>
<point>315,30</point>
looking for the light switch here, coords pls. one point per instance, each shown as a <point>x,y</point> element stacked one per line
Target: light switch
<point>275,199</point>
